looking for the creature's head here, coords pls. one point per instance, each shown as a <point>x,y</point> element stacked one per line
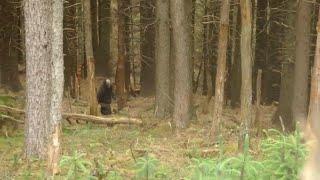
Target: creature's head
<point>108,82</point>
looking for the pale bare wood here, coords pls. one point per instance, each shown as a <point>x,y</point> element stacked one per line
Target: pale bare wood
<point>54,151</point>
<point>102,120</point>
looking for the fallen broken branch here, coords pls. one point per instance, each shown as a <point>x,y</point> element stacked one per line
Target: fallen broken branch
<point>81,117</point>
<point>102,120</point>
<point>2,116</point>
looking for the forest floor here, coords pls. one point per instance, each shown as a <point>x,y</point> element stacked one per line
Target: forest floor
<point>117,148</point>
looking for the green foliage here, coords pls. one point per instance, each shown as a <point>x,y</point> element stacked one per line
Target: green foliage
<point>162,172</point>
<point>146,167</point>
<point>240,167</point>
<point>100,170</point>
<point>114,175</point>
<point>284,155</point>
<point>6,100</point>
<point>26,175</point>
<point>15,160</point>
<point>202,169</point>
<point>78,167</point>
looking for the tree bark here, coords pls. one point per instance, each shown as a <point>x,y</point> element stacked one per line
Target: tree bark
<point>246,66</point>
<point>287,74</point>
<point>57,82</point>
<point>120,72</point>
<point>127,38</point>
<point>90,59</point>
<point>235,70</point>
<point>258,117</point>
<point>162,59</point>
<point>103,55</point>
<point>147,48</point>
<point>10,36</point>
<point>80,49</point>
<point>221,69</point>
<point>183,75</point>
<point>264,50</point>
<point>302,58</point>
<point>38,55</point>
<point>311,169</point>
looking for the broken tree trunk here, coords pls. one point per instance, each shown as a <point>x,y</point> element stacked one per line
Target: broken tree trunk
<point>311,168</point>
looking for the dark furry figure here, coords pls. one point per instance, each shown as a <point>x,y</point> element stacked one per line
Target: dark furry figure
<point>104,97</point>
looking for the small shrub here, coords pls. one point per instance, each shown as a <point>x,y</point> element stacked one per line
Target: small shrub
<point>284,155</point>
<point>240,167</point>
<point>114,175</point>
<point>202,169</point>
<point>77,166</point>
<point>146,167</point>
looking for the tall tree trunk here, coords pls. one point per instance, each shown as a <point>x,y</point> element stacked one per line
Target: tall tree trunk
<point>183,75</point>
<point>205,52</point>
<point>147,77</point>
<point>311,169</point>
<point>246,66</point>
<point>287,75</point>
<point>172,66</point>
<point>263,49</point>
<point>103,50</point>
<point>80,48</point>
<point>10,35</point>
<point>301,69</point>
<point>38,54</point>
<point>193,10</point>
<point>162,59</point>
<point>235,74</point>
<point>221,69</point>
<point>120,72</point>
<point>90,59</point>
<point>127,38</point>
<point>9,68</point>
<point>57,82</point>
<point>254,30</point>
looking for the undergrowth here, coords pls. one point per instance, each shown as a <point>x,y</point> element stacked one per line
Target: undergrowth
<point>282,158</point>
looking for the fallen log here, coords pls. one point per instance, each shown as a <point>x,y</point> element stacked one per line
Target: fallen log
<point>2,116</point>
<point>112,120</point>
<point>7,109</point>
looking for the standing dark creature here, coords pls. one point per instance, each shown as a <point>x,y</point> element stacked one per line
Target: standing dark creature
<point>104,97</point>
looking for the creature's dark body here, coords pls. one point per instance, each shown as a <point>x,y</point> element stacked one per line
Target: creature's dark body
<point>104,97</point>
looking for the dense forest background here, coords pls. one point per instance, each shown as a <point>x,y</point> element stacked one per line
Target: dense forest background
<point>226,69</point>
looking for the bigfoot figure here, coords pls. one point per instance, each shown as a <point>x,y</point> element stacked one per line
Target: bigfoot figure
<point>104,97</point>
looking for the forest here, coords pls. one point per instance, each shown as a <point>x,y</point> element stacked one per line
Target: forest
<point>160,89</point>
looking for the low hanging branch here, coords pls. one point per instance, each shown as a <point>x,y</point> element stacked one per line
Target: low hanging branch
<point>81,117</point>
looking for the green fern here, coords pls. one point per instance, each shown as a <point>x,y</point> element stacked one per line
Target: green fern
<point>284,155</point>
<point>242,166</point>
<point>146,167</point>
<point>202,169</point>
<point>114,175</point>
<point>77,166</point>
